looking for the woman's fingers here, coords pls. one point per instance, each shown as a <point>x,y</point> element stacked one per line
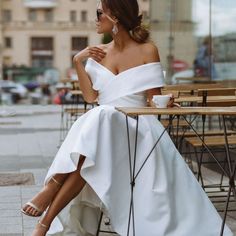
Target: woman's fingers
<point>172,102</point>
<point>96,53</point>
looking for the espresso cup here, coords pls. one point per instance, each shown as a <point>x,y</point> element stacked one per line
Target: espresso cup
<point>161,101</point>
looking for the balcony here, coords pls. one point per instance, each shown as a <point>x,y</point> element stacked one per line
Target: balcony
<point>40,3</point>
<point>27,25</point>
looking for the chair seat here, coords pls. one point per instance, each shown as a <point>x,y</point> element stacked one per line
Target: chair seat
<point>218,140</point>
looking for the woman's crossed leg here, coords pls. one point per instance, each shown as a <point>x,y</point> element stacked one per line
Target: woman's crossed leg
<point>55,195</point>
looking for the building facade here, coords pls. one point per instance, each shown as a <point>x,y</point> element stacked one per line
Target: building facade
<point>224,48</point>
<point>48,33</point>
<point>172,30</point>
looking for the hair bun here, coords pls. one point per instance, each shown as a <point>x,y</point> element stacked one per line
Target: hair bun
<point>140,34</point>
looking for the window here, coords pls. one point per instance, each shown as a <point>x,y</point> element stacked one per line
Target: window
<point>42,43</point>
<point>79,43</point>
<point>8,42</point>
<point>84,16</point>
<point>48,15</point>
<point>32,15</point>
<point>7,15</point>
<point>42,52</point>
<point>73,16</point>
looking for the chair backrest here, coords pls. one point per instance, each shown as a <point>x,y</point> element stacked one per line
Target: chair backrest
<point>217,91</point>
<point>75,85</point>
<point>217,96</point>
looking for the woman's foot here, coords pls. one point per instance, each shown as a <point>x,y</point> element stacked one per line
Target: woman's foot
<point>42,200</point>
<point>40,229</point>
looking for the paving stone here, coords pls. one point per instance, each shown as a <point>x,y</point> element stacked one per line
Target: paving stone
<point>10,206</point>
<point>10,199</point>
<point>10,191</point>
<point>11,221</point>
<point>10,213</point>
<point>28,145</point>
<point>10,234</point>
<point>14,229</point>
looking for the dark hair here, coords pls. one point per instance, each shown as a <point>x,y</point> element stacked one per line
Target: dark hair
<point>127,14</point>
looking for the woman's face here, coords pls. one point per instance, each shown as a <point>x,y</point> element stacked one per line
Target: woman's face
<point>104,21</point>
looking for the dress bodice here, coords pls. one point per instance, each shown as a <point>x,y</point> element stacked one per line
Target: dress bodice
<point>126,88</point>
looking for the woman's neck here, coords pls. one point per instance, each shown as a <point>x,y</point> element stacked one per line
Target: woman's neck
<point>121,40</point>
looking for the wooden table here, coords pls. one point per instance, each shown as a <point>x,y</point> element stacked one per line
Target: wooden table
<point>183,111</point>
<point>178,111</point>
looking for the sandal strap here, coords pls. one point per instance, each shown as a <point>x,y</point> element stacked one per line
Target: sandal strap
<point>34,206</point>
<point>57,182</point>
<point>43,225</point>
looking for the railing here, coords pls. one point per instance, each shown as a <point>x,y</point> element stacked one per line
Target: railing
<point>49,25</point>
<point>40,3</point>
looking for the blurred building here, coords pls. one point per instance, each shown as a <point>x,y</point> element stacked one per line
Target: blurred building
<point>224,48</point>
<point>48,33</point>
<point>172,30</point>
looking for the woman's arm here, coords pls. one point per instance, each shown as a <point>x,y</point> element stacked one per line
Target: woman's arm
<point>151,54</point>
<point>85,83</point>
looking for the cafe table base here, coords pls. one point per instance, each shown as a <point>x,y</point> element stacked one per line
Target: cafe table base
<point>173,113</point>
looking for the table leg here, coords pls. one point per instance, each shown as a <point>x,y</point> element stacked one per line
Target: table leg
<point>132,174</point>
<point>232,171</point>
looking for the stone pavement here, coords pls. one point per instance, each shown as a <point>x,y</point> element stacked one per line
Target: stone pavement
<point>28,143</point>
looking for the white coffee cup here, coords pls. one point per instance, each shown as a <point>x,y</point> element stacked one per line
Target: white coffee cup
<point>161,101</point>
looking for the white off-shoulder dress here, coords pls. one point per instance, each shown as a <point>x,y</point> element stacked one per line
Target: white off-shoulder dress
<point>167,197</point>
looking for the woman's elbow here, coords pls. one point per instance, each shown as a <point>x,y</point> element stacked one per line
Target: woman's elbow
<point>90,99</point>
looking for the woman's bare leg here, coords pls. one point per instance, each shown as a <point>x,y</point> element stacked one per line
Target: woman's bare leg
<point>42,200</point>
<point>72,186</point>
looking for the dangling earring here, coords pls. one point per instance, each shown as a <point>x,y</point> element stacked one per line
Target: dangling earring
<point>115,29</point>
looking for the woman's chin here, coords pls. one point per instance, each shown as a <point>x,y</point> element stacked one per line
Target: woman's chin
<point>99,31</point>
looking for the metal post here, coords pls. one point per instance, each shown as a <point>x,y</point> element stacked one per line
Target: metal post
<point>1,40</point>
<point>210,39</point>
<point>170,56</point>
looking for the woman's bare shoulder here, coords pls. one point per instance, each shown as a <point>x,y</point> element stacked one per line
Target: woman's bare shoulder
<point>104,46</point>
<point>150,52</point>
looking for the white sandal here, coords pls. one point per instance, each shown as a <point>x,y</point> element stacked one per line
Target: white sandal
<point>39,212</point>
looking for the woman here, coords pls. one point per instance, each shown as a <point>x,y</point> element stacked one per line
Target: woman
<point>125,72</point>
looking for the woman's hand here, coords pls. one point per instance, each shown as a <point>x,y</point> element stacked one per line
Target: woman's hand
<point>94,52</point>
<point>172,102</point>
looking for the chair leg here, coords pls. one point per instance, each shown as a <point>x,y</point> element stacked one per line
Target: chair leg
<point>199,164</point>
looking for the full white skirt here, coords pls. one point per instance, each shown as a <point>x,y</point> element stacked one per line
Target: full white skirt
<point>168,200</point>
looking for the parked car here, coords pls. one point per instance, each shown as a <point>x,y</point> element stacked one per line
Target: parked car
<point>15,90</point>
